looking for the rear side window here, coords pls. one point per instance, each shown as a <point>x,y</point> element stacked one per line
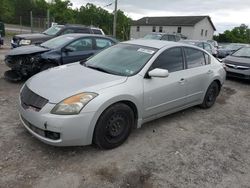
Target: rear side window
<point>82,44</point>
<point>171,38</point>
<point>194,58</point>
<point>103,43</point>
<point>164,37</point>
<point>170,60</point>
<point>97,31</point>
<point>207,58</point>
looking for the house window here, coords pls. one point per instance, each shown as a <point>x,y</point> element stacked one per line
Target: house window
<point>206,33</point>
<point>138,28</point>
<point>154,29</point>
<point>202,31</point>
<point>179,30</point>
<point>160,29</point>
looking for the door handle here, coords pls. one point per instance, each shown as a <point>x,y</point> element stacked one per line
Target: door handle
<point>182,80</point>
<point>209,72</point>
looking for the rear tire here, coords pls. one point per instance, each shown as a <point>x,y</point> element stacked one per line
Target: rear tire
<point>211,95</point>
<point>113,126</point>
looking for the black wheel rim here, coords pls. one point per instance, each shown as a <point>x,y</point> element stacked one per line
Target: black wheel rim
<point>211,96</point>
<point>115,127</point>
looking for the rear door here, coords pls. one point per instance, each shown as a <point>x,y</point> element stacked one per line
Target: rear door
<point>163,94</point>
<point>80,49</point>
<point>198,73</point>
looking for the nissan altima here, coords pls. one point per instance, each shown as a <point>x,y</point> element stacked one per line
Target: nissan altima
<point>101,100</point>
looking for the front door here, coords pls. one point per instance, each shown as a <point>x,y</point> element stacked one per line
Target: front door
<point>80,49</point>
<point>166,94</point>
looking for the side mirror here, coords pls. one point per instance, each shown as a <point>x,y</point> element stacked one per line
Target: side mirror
<point>220,60</point>
<point>68,49</point>
<point>160,73</point>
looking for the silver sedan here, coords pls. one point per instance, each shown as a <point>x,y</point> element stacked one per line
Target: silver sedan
<point>101,100</point>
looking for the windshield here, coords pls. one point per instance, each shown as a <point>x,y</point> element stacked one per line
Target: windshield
<point>57,42</point>
<point>243,52</point>
<point>53,30</point>
<point>233,47</point>
<point>122,59</point>
<point>153,36</point>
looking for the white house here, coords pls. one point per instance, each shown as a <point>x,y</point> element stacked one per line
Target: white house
<point>193,27</point>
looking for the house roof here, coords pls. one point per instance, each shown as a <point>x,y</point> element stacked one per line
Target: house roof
<point>171,21</point>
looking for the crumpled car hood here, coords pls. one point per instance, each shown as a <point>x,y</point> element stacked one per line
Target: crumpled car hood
<point>61,82</point>
<point>25,50</point>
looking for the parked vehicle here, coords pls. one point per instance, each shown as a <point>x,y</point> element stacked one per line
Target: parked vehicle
<point>202,44</point>
<point>214,43</point>
<point>52,32</point>
<point>162,36</point>
<point>2,33</point>
<point>1,40</point>
<point>238,63</point>
<point>229,49</point>
<point>101,100</point>
<point>26,61</point>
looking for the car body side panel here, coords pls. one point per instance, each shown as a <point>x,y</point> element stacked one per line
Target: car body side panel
<point>163,94</point>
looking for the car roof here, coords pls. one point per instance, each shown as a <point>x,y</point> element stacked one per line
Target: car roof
<point>79,35</point>
<point>155,43</point>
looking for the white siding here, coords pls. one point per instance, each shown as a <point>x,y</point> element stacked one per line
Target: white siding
<point>206,26</point>
<point>189,31</point>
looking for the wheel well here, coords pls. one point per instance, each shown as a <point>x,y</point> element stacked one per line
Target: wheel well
<point>219,84</point>
<point>133,107</point>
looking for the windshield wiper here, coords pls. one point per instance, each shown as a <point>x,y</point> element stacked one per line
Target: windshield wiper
<point>98,68</point>
<point>44,46</point>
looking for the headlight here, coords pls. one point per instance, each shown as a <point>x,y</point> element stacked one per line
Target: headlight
<point>25,42</point>
<point>74,104</point>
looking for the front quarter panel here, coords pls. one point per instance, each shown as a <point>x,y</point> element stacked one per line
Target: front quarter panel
<point>131,90</point>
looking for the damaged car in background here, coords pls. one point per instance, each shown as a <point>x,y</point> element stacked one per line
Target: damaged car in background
<point>28,60</point>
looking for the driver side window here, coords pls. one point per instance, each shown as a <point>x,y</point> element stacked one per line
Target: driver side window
<point>81,45</point>
<point>170,59</point>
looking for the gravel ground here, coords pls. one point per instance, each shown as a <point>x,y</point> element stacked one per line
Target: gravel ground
<point>192,148</point>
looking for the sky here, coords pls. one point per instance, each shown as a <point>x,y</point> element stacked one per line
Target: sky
<point>225,14</point>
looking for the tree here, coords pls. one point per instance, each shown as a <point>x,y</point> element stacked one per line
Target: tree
<point>239,34</point>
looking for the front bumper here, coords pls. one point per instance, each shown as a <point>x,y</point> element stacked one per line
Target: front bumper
<point>243,74</point>
<point>68,130</point>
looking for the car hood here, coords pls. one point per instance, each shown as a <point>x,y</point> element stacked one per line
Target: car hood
<point>61,82</point>
<point>34,36</point>
<point>242,61</point>
<point>24,50</point>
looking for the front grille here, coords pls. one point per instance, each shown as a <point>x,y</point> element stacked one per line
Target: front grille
<point>233,66</point>
<point>29,99</point>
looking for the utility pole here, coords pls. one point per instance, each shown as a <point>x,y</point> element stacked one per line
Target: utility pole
<point>31,22</point>
<point>115,19</point>
<point>48,19</point>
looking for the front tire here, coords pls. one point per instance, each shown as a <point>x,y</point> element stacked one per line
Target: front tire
<point>211,95</point>
<point>113,126</point>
